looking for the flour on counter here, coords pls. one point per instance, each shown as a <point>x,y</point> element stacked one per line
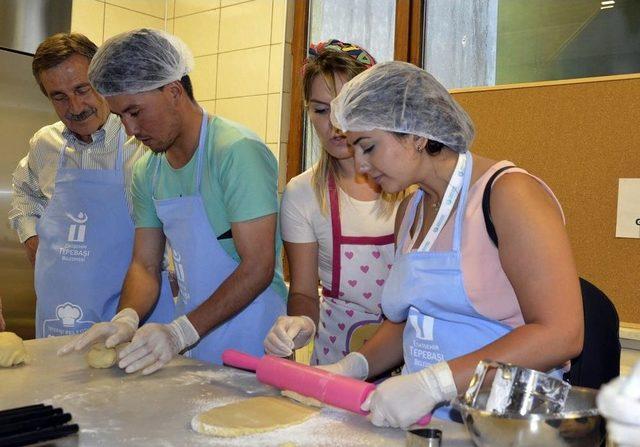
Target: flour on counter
<point>206,376</point>
<point>242,380</point>
<point>325,429</point>
<point>114,408</point>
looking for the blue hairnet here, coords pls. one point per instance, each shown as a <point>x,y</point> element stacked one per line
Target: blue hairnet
<point>400,97</point>
<point>139,61</point>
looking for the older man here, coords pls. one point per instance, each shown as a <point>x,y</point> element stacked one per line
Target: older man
<point>71,200</point>
<point>210,187</point>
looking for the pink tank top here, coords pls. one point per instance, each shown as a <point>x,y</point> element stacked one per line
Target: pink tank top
<point>486,283</point>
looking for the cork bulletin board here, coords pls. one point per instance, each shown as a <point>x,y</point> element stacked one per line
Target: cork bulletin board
<point>580,137</point>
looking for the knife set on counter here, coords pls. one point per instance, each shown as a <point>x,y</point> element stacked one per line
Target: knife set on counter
<point>33,424</point>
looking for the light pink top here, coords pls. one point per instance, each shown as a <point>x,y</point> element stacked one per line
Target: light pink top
<point>485,282</point>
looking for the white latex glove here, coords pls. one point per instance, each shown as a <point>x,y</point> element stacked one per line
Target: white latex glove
<point>289,333</point>
<point>119,330</point>
<point>619,403</point>
<point>155,344</point>
<point>623,435</point>
<point>353,365</point>
<point>403,400</point>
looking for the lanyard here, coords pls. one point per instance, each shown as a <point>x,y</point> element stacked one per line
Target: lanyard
<point>451,194</point>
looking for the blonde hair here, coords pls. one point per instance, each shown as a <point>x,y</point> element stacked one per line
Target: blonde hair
<point>327,64</point>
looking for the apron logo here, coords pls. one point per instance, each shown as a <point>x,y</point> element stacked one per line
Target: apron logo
<point>422,326</point>
<point>68,313</point>
<point>77,230</point>
<point>67,321</point>
<point>179,269</point>
<point>177,258</point>
<point>75,249</point>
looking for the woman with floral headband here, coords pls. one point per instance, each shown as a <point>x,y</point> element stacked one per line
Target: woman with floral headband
<point>337,228</point>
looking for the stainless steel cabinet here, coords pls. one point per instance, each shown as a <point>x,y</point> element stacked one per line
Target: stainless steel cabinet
<point>23,110</point>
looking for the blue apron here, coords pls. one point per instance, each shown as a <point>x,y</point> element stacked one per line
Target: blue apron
<point>202,264</point>
<point>86,241</point>
<point>426,289</point>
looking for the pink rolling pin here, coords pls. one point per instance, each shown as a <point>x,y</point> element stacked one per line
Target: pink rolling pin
<point>331,389</point>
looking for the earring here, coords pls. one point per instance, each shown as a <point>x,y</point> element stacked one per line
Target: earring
<point>420,148</point>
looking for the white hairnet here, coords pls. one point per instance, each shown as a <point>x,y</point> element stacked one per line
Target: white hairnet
<point>400,97</point>
<point>138,61</point>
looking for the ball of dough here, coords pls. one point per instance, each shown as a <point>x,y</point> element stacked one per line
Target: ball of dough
<point>12,350</point>
<point>99,356</point>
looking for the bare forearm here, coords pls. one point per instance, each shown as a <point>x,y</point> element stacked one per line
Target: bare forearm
<point>384,350</point>
<point>301,304</point>
<point>140,290</point>
<point>532,346</point>
<point>234,294</point>
<point>31,246</point>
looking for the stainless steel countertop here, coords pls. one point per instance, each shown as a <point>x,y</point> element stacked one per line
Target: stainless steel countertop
<point>114,408</point>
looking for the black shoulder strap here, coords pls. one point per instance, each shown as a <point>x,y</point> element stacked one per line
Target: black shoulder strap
<point>226,235</point>
<point>486,205</point>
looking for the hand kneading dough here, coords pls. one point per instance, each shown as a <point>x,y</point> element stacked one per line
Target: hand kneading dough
<point>12,350</point>
<point>255,415</point>
<point>99,356</point>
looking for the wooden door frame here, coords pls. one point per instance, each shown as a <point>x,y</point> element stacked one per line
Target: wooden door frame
<point>295,144</point>
<point>409,32</point>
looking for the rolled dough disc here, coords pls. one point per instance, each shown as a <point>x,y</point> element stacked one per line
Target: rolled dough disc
<point>12,350</point>
<point>99,356</point>
<point>254,415</point>
<point>310,401</point>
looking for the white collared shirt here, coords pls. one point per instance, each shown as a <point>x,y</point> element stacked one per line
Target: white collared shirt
<point>35,175</point>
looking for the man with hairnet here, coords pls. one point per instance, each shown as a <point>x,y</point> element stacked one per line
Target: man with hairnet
<point>210,187</point>
<point>71,201</point>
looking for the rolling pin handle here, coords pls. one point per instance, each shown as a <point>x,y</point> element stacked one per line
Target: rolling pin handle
<point>424,420</point>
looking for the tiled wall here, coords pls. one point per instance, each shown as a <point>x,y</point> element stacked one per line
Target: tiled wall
<point>99,19</point>
<point>242,51</point>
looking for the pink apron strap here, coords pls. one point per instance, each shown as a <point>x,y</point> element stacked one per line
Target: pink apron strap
<point>336,235</point>
<point>338,239</point>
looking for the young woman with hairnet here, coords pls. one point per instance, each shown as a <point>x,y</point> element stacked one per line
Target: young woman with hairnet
<point>337,228</point>
<point>462,298</point>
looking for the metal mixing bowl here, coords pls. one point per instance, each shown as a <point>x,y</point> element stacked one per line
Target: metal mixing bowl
<point>579,424</point>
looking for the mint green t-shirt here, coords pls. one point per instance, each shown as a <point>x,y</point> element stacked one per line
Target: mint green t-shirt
<point>239,183</point>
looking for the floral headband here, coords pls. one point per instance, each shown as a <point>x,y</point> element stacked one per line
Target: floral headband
<point>352,50</point>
